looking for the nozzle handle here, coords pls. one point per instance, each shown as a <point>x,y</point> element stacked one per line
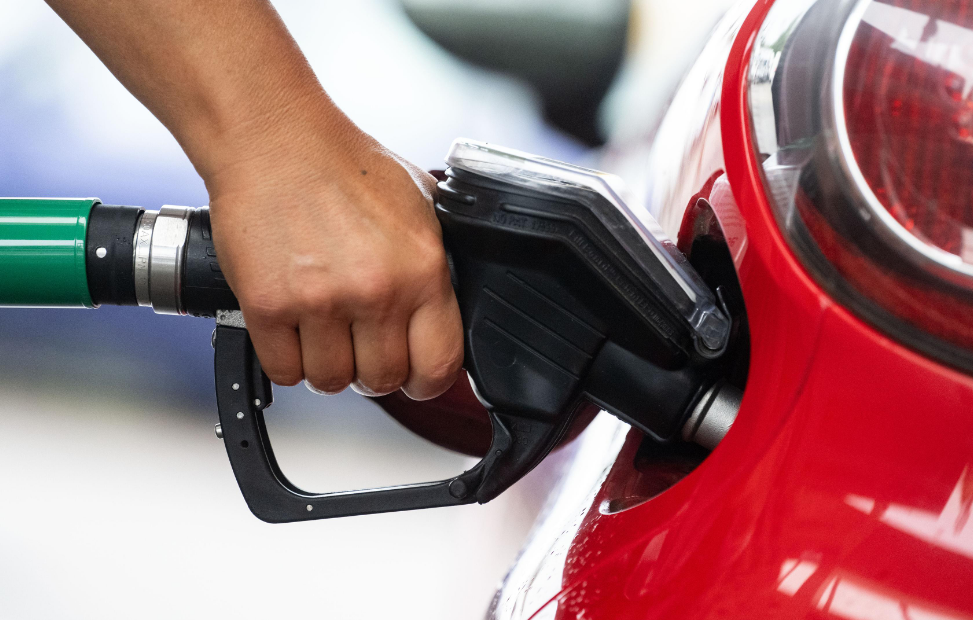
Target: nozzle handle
<point>243,391</point>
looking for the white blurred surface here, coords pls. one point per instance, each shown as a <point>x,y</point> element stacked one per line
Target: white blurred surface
<point>67,122</point>
<point>666,37</point>
<point>111,512</point>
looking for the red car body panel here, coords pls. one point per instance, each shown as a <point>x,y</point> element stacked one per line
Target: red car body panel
<point>843,490</point>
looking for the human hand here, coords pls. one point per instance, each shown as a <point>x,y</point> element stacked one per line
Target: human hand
<point>331,244</point>
<point>328,240</point>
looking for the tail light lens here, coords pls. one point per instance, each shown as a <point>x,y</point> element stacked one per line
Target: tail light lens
<point>863,113</point>
<point>909,120</point>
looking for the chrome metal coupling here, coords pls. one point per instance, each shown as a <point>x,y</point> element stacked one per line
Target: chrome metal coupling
<point>160,253</point>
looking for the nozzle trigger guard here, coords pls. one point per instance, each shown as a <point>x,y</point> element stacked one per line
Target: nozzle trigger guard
<point>243,391</point>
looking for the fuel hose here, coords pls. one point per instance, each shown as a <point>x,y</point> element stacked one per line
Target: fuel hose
<point>82,253</point>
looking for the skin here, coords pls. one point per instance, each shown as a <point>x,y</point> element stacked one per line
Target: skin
<point>328,240</point>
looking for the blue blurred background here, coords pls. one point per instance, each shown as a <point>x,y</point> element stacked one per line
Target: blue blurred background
<point>118,500</point>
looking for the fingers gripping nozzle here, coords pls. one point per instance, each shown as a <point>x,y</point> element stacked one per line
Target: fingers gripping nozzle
<point>243,392</point>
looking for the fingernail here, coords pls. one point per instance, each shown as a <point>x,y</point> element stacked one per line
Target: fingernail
<point>308,385</point>
<point>364,391</point>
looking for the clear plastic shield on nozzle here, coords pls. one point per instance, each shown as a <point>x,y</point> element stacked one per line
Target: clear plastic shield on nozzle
<point>631,225</point>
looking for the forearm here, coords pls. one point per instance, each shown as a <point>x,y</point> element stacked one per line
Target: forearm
<point>329,242</point>
<point>217,74</point>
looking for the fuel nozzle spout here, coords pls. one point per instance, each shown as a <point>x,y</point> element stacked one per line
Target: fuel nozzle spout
<point>713,416</point>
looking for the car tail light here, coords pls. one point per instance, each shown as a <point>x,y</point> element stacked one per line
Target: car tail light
<point>863,114</point>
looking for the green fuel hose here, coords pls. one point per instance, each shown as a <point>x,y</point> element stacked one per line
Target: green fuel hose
<point>81,253</point>
<point>42,252</point>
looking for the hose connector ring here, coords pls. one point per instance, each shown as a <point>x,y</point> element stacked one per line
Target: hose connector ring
<point>160,250</point>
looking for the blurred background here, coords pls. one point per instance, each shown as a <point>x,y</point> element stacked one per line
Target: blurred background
<point>118,500</point>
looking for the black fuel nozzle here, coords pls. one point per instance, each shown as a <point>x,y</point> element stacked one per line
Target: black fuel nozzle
<point>568,297</point>
<point>558,310</point>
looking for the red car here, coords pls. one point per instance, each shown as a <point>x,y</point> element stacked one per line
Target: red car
<point>816,167</point>
<point>823,150</point>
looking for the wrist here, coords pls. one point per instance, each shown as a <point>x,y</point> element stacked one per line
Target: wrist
<point>250,139</point>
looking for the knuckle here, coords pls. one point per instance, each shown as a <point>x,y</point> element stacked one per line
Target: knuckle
<point>264,307</point>
<point>319,297</point>
<point>430,259</point>
<point>445,367</point>
<point>385,382</point>
<point>377,289</point>
<point>430,271</point>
